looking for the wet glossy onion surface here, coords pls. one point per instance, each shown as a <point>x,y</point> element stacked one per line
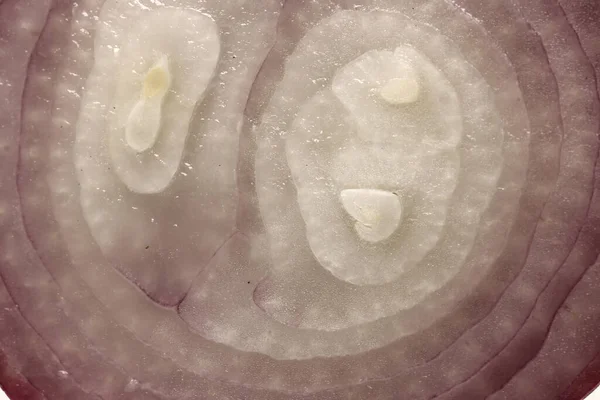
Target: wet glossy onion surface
<point>326,199</point>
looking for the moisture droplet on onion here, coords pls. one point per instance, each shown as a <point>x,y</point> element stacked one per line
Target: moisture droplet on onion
<point>336,199</point>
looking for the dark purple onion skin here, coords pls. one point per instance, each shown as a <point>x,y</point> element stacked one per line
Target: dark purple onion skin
<point>567,309</point>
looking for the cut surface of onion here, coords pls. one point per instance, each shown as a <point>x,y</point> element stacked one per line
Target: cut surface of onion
<point>307,200</point>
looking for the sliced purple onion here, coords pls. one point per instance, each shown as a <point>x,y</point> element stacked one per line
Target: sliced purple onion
<point>333,199</point>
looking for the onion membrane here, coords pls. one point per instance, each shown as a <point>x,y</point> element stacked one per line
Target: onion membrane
<point>335,199</point>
